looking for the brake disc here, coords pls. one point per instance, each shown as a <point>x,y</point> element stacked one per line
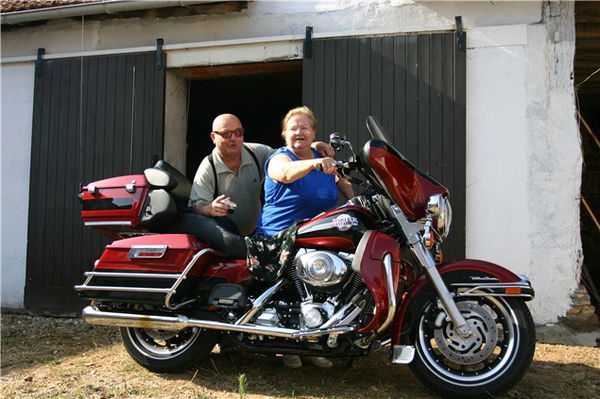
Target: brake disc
<point>474,348</point>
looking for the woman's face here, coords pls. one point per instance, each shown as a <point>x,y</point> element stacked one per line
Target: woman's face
<point>299,135</point>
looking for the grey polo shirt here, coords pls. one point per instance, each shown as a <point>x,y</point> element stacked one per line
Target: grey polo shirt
<point>243,188</point>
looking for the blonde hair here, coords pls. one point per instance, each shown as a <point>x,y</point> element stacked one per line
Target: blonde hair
<point>304,110</point>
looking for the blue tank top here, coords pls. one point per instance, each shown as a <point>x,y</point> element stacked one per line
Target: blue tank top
<point>305,198</point>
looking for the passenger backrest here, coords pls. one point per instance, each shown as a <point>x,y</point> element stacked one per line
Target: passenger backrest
<point>165,176</point>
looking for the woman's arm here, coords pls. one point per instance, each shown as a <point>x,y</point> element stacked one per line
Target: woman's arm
<point>284,170</point>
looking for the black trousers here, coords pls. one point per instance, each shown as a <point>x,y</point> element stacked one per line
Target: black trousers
<point>220,233</point>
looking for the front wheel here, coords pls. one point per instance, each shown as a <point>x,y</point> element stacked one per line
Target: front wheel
<point>166,351</point>
<point>489,362</point>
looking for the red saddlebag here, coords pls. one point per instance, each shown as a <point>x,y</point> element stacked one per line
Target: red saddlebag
<point>156,269</point>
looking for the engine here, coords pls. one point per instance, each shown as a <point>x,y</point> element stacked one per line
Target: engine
<point>321,268</point>
<point>326,292</point>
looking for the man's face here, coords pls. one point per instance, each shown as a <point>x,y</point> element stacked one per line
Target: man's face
<point>227,125</point>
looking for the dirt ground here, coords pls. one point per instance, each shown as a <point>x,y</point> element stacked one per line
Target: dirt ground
<point>46,357</point>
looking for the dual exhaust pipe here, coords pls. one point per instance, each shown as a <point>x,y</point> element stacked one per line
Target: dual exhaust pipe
<point>93,315</point>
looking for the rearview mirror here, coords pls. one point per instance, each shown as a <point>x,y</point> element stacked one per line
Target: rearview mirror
<point>337,141</point>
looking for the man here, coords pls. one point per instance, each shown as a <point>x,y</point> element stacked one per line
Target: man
<point>232,173</point>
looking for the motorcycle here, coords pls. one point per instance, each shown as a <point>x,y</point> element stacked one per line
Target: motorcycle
<point>365,276</point>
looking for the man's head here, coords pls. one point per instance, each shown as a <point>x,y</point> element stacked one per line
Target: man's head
<point>228,135</point>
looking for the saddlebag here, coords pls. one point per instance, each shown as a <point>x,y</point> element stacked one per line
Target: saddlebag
<point>156,269</point>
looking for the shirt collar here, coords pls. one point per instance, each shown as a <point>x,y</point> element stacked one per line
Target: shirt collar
<point>220,166</point>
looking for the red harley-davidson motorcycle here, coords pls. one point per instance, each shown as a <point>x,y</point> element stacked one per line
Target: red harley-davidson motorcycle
<point>463,326</point>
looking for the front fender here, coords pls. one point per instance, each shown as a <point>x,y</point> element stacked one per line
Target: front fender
<point>467,276</point>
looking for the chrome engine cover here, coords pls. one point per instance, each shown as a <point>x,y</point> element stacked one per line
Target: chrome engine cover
<point>321,268</point>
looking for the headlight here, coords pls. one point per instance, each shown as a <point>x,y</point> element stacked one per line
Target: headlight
<point>440,211</point>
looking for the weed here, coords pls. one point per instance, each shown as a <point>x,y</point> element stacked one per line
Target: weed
<point>242,383</point>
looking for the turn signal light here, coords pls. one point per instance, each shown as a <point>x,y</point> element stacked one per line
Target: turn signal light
<point>512,290</point>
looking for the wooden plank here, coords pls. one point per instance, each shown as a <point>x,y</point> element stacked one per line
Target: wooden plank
<point>400,93</point>
<point>423,110</point>
<point>319,82</point>
<point>412,99</point>
<point>327,119</point>
<point>341,87</point>
<point>387,86</point>
<point>460,147</point>
<point>435,106</point>
<point>376,85</point>
<point>364,88</point>
<point>353,93</point>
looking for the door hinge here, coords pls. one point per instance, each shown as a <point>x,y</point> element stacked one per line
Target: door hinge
<point>461,36</point>
<point>308,45</point>
<point>158,54</point>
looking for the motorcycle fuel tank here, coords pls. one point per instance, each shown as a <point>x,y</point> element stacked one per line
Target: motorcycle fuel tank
<point>340,229</point>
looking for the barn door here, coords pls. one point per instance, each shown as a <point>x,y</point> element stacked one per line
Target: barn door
<point>414,85</point>
<point>94,117</point>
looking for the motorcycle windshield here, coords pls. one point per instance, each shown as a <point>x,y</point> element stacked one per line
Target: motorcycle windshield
<point>405,184</point>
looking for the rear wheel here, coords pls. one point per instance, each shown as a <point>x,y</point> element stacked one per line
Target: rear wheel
<point>489,362</point>
<point>166,351</point>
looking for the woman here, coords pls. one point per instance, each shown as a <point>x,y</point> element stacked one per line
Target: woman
<point>299,184</point>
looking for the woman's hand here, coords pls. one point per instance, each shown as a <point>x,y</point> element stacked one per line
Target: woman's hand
<point>327,165</point>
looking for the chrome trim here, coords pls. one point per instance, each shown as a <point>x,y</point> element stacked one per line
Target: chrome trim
<point>93,315</point>
<point>155,249</point>
<point>169,291</point>
<point>315,227</point>
<point>137,275</point>
<point>403,354</point>
<point>183,275</point>
<point>411,230</point>
<point>425,258</point>
<point>387,264</point>
<point>323,331</point>
<point>491,289</point>
<point>259,302</point>
<point>121,289</point>
<point>108,223</point>
<point>386,342</point>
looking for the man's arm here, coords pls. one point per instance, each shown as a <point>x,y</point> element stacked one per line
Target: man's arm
<point>202,199</point>
<point>345,188</point>
<point>324,149</point>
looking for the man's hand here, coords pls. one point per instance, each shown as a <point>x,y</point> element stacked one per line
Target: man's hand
<point>216,208</point>
<point>324,149</point>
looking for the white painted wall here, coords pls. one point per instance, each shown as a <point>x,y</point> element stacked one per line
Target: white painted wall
<point>15,152</point>
<point>523,156</point>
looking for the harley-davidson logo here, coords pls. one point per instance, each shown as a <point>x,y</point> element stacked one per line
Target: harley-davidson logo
<point>345,222</point>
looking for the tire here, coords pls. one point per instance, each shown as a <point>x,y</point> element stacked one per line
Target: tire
<point>165,351</point>
<point>488,363</point>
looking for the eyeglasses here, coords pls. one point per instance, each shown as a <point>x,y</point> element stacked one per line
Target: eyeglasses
<point>226,134</point>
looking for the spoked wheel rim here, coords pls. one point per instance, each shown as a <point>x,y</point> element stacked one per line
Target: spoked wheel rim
<point>478,359</point>
<point>163,344</point>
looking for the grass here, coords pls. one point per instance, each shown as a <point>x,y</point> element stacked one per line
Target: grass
<point>73,360</point>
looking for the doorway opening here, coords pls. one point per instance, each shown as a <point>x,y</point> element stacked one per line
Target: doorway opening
<point>260,94</point>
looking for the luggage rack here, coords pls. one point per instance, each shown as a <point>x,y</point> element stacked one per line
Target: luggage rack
<point>168,291</point>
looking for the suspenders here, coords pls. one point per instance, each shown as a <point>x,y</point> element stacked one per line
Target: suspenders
<point>212,163</point>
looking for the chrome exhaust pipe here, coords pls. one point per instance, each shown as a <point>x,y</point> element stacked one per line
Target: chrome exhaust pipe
<point>93,315</point>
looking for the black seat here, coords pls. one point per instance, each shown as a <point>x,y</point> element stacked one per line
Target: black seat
<point>163,175</point>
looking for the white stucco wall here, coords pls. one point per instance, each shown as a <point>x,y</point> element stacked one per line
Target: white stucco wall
<point>17,114</point>
<point>523,159</point>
